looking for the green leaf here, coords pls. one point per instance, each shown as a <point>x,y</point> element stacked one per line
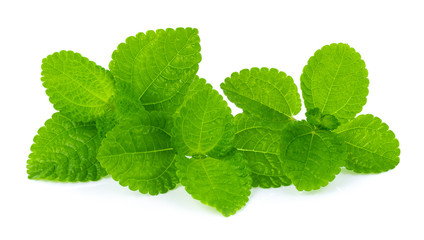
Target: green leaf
<point>197,85</point>
<point>157,67</point>
<point>138,154</point>
<point>326,121</point>
<point>204,124</point>
<point>65,151</point>
<point>259,141</point>
<point>76,86</point>
<point>125,108</point>
<point>106,123</point>
<point>127,104</point>
<point>220,183</point>
<point>335,81</point>
<point>371,146</point>
<point>311,158</point>
<point>264,93</point>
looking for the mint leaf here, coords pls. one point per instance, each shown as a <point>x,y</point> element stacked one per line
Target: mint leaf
<point>106,123</point>
<point>311,158</point>
<point>314,116</point>
<point>259,141</point>
<point>203,125</point>
<point>371,146</point>
<point>65,150</point>
<point>264,93</point>
<point>326,121</point>
<point>126,104</point>
<point>220,183</point>
<point>125,108</point>
<point>138,154</point>
<point>76,86</point>
<point>157,67</point>
<point>335,81</point>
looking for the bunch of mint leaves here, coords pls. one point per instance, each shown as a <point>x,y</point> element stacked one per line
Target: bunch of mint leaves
<point>151,123</point>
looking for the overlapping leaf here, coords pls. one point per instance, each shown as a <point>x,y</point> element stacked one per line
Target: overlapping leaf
<point>157,67</point>
<point>311,158</point>
<point>322,121</point>
<point>259,142</point>
<point>126,108</point>
<point>335,81</point>
<point>221,183</point>
<point>204,124</point>
<point>371,146</point>
<point>264,93</point>
<point>156,71</point>
<point>76,86</point>
<point>138,154</point>
<point>65,150</point>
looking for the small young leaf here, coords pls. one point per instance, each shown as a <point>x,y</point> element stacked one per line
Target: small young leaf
<point>125,108</point>
<point>157,67</point>
<point>76,86</point>
<point>65,151</point>
<point>371,146</point>
<point>138,154</point>
<point>264,93</point>
<point>311,158</point>
<point>326,121</point>
<point>204,124</point>
<point>335,81</point>
<point>259,142</point>
<point>220,183</point>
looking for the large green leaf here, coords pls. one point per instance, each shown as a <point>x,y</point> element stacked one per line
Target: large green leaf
<point>157,67</point>
<point>221,183</point>
<point>311,158</point>
<point>371,146</point>
<point>204,124</point>
<point>335,81</point>
<point>259,141</point>
<point>65,150</point>
<point>76,86</point>
<point>265,93</point>
<point>138,154</point>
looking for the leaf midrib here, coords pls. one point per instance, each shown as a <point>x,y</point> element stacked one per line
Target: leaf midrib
<point>137,153</point>
<point>334,79</point>
<point>253,100</point>
<point>167,65</point>
<point>78,83</point>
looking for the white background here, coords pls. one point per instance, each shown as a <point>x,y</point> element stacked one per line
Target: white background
<point>234,35</point>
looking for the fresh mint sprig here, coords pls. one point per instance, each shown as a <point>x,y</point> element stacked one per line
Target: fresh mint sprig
<point>152,123</point>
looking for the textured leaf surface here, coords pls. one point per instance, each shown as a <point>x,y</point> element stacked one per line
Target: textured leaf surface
<point>371,146</point>
<point>127,104</point>
<point>204,124</point>
<point>125,109</point>
<point>138,154</point>
<point>65,150</point>
<point>106,123</point>
<point>335,81</point>
<point>326,121</point>
<point>76,86</point>
<point>197,85</point>
<point>157,67</point>
<point>259,142</point>
<point>311,158</point>
<point>221,183</point>
<point>265,93</point>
